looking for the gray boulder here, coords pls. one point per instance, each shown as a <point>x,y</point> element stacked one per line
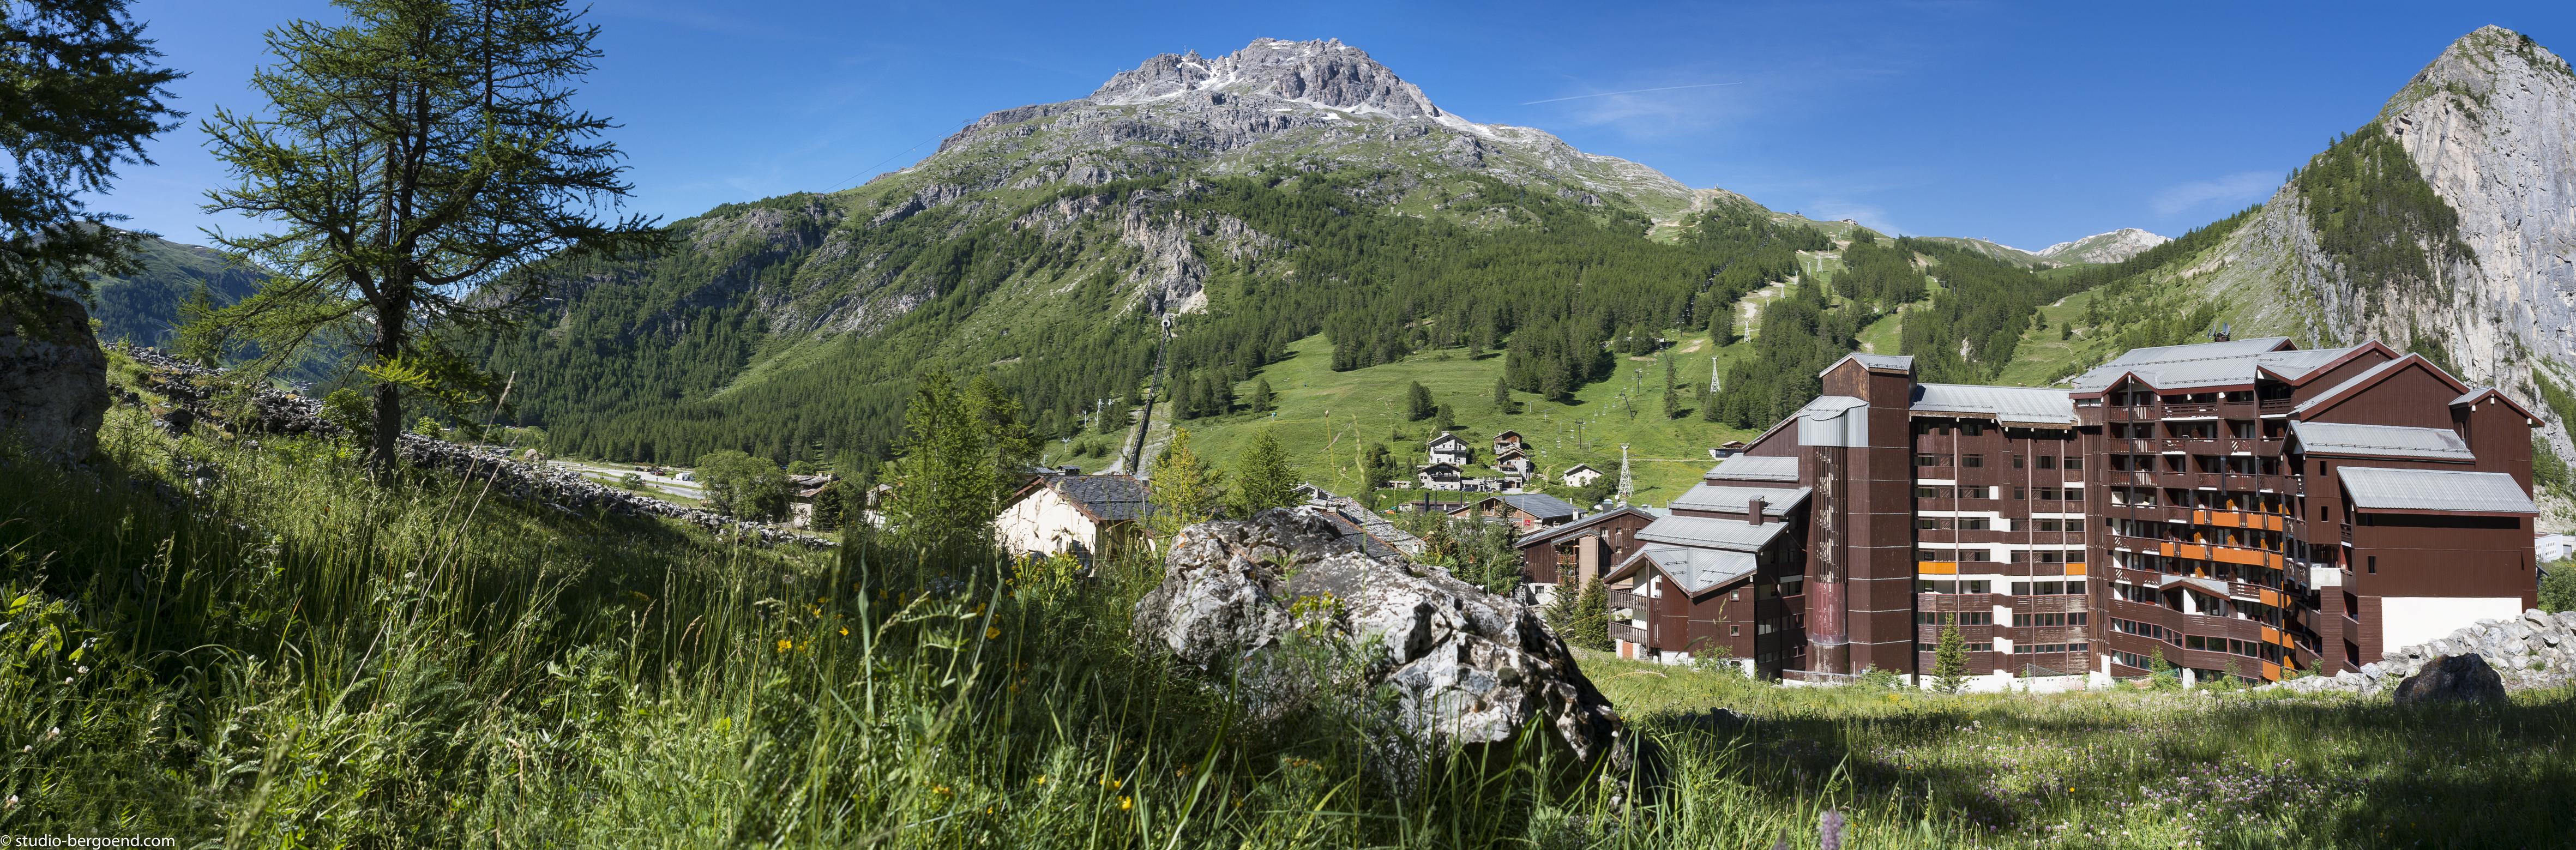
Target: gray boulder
<point>1431,661</point>
<point>53,378</point>
<point>2452,678</point>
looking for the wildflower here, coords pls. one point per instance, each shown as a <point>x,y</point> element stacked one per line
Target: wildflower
<point>941,790</point>
<point>1041,780</point>
<point>991,632</point>
<point>845,631</point>
<point>1112,782</point>
<point>818,611</point>
<point>785,644</point>
<point>1126,802</point>
<point>12,803</point>
<point>52,733</point>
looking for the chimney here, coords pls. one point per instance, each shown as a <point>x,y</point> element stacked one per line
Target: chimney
<point>1070,470</point>
<point>1753,510</point>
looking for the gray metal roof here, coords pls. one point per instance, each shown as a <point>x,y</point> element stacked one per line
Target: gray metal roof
<point>1900,362</point>
<point>2206,364</point>
<point>1776,501</point>
<point>1830,406</point>
<point>2336,438</point>
<point>1710,533</point>
<point>1584,522</point>
<point>1750,468</point>
<point>2376,488</point>
<point>1540,505</point>
<point>2024,405</point>
<point>2367,376</point>
<point>1698,569</point>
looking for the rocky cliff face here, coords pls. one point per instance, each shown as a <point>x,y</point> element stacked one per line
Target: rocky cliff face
<point>2109,247</point>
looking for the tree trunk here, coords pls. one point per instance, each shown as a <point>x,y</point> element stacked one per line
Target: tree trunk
<point>389,423</point>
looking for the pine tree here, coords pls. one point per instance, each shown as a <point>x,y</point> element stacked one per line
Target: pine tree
<point>1184,490</point>
<point>2161,670</point>
<point>417,157</point>
<point>963,452</point>
<point>1261,396</point>
<point>1587,618</point>
<point>1262,477</point>
<point>1672,398</point>
<point>1503,397</point>
<point>1417,402</point>
<point>1950,661</point>
<point>1448,418</point>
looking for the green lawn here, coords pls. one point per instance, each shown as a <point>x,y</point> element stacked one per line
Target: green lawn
<point>1326,418</point>
<point>2042,359</point>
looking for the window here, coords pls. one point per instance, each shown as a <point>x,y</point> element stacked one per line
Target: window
<point>2016,461</point>
<point>2020,493</point>
<point>2074,463</point>
<point>2044,494</point>
<point>2075,494</point>
<point>1972,523</point>
<point>1930,492</point>
<point>1927,523</point>
<point>1972,460</point>
<point>1927,460</point>
<point>2047,461</point>
<point>2374,565</point>
<point>1734,630</point>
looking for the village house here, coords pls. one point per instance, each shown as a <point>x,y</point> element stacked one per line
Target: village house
<point>1524,511</point>
<point>1726,450</point>
<point>1722,575</point>
<point>803,490</point>
<point>1561,558</point>
<point>1508,441</point>
<point>1449,449</point>
<point>1089,516</point>
<point>1514,464</point>
<point>1439,476</point>
<point>1579,475</point>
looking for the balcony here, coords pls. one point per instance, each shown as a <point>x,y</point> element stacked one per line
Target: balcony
<point>1629,600</point>
<point>1629,633</point>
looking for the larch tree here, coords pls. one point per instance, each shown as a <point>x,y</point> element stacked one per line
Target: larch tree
<point>416,157</point>
<point>964,452</point>
<point>1263,479</point>
<point>84,95</point>
<point>1184,491</point>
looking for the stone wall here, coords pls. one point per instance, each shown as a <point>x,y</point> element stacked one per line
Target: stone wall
<point>53,378</point>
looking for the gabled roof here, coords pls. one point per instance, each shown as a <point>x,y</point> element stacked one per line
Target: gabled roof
<point>2448,491</point>
<point>1750,468</point>
<point>1776,501</point>
<point>1108,497</point>
<point>2480,394</point>
<point>1585,522</point>
<point>1580,467</point>
<point>1694,569</point>
<point>1877,362</point>
<point>2336,438</point>
<point>1446,437</point>
<point>2207,364</point>
<point>1434,468</point>
<point>2006,405</point>
<point>1540,505</point>
<point>1711,533</point>
<point>1498,437</point>
<point>2374,375</point>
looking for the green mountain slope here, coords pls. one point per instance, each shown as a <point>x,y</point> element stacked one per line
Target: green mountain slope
<point>143,307</point>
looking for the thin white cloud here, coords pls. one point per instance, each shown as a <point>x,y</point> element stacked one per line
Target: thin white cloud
<point>2237,189</point>
<point>1628,92</point>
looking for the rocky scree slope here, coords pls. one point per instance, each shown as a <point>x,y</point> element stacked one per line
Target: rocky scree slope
<point>2109,247</point>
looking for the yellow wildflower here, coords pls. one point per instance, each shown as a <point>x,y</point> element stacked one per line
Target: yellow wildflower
<point>991,632</point>
<point>1125,803</point>
<point>1041,780</point>
<point>845,631</point>
<point>785,644</point>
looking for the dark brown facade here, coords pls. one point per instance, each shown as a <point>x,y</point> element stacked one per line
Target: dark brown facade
<point>2236,508</point>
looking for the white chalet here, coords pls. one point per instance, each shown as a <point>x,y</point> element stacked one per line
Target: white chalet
<point>1447,448</point>
<point>1580,475</point>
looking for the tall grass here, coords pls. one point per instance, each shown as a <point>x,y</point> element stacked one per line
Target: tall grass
<point>244,647</point>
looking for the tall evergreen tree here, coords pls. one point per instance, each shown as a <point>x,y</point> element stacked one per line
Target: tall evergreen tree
<point>963,452</point>
<point>83,96</point>
<point>1503,396</point>
<point>1950,659</point>
<point>1672,395</point>
<point>1417,402</point>
<point>1262,477</point>
<point>417,155</point>
<point>1261,396</point>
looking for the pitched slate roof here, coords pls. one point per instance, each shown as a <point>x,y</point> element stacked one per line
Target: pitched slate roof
<point>1751,468</point>
<point>1695,569</point>
<point>2366,378</point>
<point>2336,438</point>
<point>2211,364</point>
<point>1446,437</point>
<point>1711,533</point>
<point>2375,488</point>
<point>1887,362</point>
<point>2014,405</point>
<point>1584,522</point>
<point>1776,501</point>
<point>1107,497</point>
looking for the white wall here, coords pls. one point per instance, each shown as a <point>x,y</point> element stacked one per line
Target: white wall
<point>2409,620</point>
<point>1045,523</point>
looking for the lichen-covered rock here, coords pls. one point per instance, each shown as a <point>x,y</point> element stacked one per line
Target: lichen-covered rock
<point>53,378</point>
<point>1457,665</point>
<point>2452,678</point>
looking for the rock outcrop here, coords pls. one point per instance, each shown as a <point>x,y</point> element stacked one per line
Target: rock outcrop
<point>2452,678</point>
<point>2535,650</point>
<point>1460,667</point>
<point>2109,247</point>
<point>53,378</point>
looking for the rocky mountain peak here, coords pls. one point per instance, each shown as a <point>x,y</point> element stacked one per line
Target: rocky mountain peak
<point>2109,247</point>
<point>2477,64</point>
<point>1322,73</point>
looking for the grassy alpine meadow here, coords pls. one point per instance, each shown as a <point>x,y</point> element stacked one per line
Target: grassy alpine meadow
<point>238,642</point>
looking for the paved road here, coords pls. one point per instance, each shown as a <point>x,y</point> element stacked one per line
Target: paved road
<point>664,483</point>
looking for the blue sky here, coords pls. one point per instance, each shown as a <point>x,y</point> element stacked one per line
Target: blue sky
<point>2023,123</point>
